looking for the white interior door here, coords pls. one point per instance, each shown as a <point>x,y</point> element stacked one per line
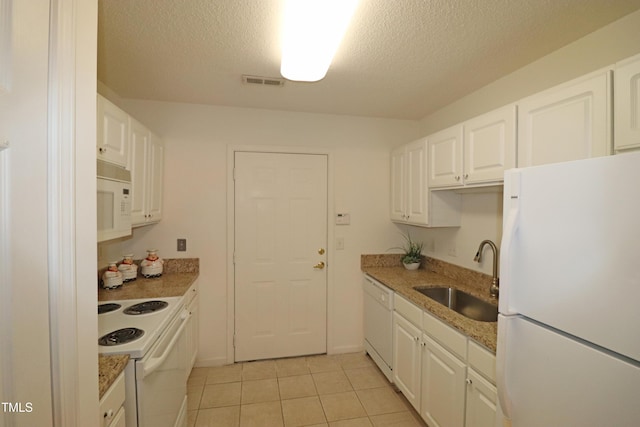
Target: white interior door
<point>280,255</point>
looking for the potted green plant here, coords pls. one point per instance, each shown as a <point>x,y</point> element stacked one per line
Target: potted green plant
<point>412,253</point>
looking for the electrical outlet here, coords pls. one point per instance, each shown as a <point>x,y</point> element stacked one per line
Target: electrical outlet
<point>182,245</point>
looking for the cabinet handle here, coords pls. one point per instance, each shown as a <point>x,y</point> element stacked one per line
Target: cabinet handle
<point>457,177</point>
<point>103,150</point>
<point>416,339</point>
<point>466,176</point>
<point>109,414</point>
<point>469,381</point>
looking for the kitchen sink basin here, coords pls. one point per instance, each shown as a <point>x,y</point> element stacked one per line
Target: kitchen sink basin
<point>462,302</point>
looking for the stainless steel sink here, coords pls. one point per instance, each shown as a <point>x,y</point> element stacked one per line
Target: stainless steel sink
<point>463,303</point>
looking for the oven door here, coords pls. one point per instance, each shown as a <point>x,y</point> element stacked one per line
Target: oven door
<point>160,378</point>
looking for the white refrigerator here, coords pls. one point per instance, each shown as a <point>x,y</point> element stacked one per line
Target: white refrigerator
<point>569,324</point>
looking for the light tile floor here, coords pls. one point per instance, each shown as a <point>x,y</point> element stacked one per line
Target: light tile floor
<point>344,390</point>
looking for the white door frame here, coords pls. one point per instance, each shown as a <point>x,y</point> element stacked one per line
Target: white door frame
<point>231,151</point>
<point>72,254</point>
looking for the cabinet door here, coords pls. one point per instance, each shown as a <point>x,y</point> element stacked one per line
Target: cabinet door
<point>417,192</point>
<point>112,133</point>
<point>481,401</point>
<point>443,386</point>
<point>192,333</point>
<point>140,140</point>
<point>627,104</point>
<point>156,175</point>
<point>406,359</point>
<point>490,146</point>
<point>568,122</point>
<point>119,420</point>
<point>398,192</point>
<point>445,157</point>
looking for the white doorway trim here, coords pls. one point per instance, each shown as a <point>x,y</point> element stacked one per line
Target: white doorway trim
<point>231,150</point>
<point>71,211</point>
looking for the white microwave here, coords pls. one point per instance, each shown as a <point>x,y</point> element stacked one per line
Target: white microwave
<point>114,201</point>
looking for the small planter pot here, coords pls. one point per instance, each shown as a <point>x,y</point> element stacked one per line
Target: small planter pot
<point>412,266</point>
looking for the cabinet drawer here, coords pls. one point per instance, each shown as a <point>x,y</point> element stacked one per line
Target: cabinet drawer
<point>445,335</point>
<point>483,361</point>
<point>112,401</point>
<point>409,311</point>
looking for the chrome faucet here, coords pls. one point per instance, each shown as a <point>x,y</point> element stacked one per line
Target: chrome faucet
<point>494,289</point>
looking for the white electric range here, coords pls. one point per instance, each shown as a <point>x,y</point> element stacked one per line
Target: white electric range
<point>152,333</point>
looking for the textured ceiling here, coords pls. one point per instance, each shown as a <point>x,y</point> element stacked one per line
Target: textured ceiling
<point>399,59</point>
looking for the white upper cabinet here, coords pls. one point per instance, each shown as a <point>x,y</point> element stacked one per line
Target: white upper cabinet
<point>411,200</point>
<point>409,183</point>
<point>445,157</point>
<point>156,175</point>
<point>398,192</point>
<point>568,122</point>
<point>489,146</point>
<point>477,151</point>
<point>112,133</point>
<point>146,164</point>
<point>140,141</point>
<point>627,104</point>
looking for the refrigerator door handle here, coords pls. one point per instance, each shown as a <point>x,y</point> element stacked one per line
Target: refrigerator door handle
<point>501,361</point>
<point>511,225</point>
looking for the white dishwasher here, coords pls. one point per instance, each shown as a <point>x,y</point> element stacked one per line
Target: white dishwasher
<point>378,324</point>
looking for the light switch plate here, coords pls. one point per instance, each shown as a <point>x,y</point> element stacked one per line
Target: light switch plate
<point>182,245</point>
<point>343,219</point>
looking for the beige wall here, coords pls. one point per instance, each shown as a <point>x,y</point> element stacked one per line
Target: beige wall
<point>602,48</point>
<point>195,204</point>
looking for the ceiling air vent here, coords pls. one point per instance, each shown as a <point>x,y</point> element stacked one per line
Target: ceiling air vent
<point>266,81</point>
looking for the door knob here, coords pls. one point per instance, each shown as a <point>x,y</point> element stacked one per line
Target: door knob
<point>321,251</point>
<point>319,265</point>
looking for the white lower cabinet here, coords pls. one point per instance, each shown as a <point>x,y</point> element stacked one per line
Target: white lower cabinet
<point>443,386</point>
<point>112,405</point>
<point>406,358</point>
<point>481,401</point>
<point>448,378</point>
<point>192,326</point>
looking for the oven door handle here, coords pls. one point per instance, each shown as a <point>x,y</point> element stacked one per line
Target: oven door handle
<point>153,363</point>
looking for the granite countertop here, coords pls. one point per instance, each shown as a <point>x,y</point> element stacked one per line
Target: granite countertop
<point>109,368</point>
<point>434,273</point>
<point>167,285</point>
<point>178,275</point>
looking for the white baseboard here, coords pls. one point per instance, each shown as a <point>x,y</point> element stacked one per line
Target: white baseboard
<point>345,349</point>
<point>211,362</point>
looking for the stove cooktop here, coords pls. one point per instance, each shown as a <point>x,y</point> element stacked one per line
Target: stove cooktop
<point>151,323</point>
<point>106,308</point>
<point>146,307</point>
<point>121,336</point>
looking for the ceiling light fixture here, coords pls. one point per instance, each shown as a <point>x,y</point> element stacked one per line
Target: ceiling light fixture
<point>311,34</point>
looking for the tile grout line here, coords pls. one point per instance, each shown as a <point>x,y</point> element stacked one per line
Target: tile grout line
<point>278,378</point>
